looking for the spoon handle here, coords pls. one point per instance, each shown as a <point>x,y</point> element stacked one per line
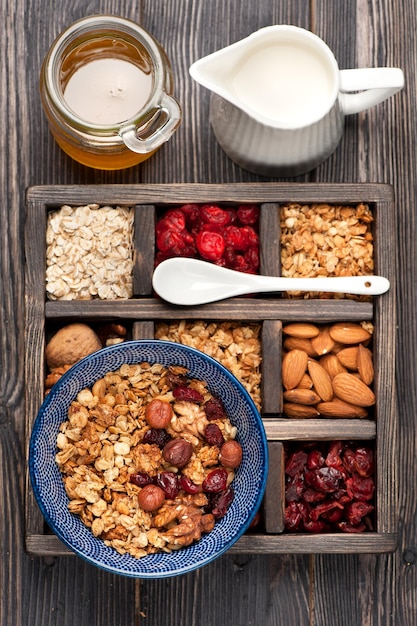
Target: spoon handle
<point>358,285</point>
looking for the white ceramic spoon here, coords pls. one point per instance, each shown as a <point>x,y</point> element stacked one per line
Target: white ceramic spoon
<point>189,282</point>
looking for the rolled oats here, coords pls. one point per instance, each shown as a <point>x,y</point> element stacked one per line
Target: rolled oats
<point>89,253</point>
<point>100,447</point>
<point>326,240</point>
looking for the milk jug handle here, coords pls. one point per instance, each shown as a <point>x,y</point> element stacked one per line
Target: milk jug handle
<point>170,108</point>
<point>372,86</point>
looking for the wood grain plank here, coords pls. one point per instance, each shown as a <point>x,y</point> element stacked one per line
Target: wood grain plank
<point>344,593</point>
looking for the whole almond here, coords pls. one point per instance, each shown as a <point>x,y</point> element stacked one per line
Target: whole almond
<point>339,408</point>
<point>321,380</point>
<point>352,389</point>
<point>301,396</point>
<point>365,364</point>
<point>301,330</point>
<point>294,365</point>
<point>300,410</point>
<point>305,382</point>
<point>332,365</point>
<point>349,332</point>
<point>323,343</point>
<point>299,343</point>
<point>349,358</point>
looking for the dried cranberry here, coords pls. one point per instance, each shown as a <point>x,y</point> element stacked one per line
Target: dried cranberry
<point>357,510</point>
<point>215,481</point>
<point>313,496</point>
<point>173,219</point>
<point>221,502</point>
<point>360,488</point>
<point>360,461</point>
<point>157,435</point>
<point>348,528</point>
<point>210,245</point>
<point>316,526</point>
<point>333,458</point>
<point>250,237</point>
<point>235,238</point>
<point>296,463</point>
<point>169,483</point>
<point>315,459</point>
<point>213,214</point>
<point>248,214</point>
<point>294,488</point>
<point>187,393</point>
<point>214,409</point>
<point>188,485</point>
<point>324,507</point>
<point>325,479</point>
<point>296,513</point>
<point>174,243</point>
<point>214,435</point>
<point>251,257</point>
<point>140,479</point>
<point>192,215</point>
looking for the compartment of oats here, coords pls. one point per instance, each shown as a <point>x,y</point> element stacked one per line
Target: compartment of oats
<point>326,240</point>
<point>89,252</point>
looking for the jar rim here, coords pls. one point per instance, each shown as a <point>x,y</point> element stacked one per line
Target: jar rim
<point>103,24</point>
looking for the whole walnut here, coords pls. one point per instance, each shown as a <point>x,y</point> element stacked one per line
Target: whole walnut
<point>70,344</point>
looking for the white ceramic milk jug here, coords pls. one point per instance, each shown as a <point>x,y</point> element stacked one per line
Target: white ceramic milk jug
<point>279,99</point>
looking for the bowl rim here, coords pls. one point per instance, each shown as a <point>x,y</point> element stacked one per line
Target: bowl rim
<point>53,396</point>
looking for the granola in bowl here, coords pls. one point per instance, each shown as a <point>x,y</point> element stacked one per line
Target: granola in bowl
<point>110,451</point>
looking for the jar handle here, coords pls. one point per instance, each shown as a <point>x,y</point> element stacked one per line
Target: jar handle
<point>131,134</point>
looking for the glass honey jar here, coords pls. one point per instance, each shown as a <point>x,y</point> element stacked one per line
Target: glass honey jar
<point>106,88</point>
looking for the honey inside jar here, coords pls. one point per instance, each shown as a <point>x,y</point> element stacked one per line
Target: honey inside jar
<point>105,88</point>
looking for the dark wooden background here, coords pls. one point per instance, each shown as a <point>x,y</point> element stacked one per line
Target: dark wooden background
<point>378,146</point>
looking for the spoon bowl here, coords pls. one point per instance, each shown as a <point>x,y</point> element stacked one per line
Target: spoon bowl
<point>189,282</point>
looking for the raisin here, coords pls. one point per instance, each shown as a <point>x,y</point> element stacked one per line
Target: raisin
<point>187,393</point>
<point>214,435</point>
<point>214,409</point>
<point>221,502</point>
<point>169,483</point>
<point>140,479</point>
<point>157,435</point>
<point>215,481</point>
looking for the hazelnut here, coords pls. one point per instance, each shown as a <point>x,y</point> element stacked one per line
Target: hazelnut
<point>177,452</point>
<point>70,344</point>
<point>151,497</point>
<point>231,454</point>
<point>158,413</point>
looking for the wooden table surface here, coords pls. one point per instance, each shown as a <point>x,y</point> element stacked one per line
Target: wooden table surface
<point>378,146</point>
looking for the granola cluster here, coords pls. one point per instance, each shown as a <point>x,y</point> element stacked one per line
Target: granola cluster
<point>89,253</point>
<point>103,455</point>
<point>234,345</point>
<point>326,240</point>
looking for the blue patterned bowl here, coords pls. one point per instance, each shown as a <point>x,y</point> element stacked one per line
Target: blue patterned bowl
<point>249,482</point>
